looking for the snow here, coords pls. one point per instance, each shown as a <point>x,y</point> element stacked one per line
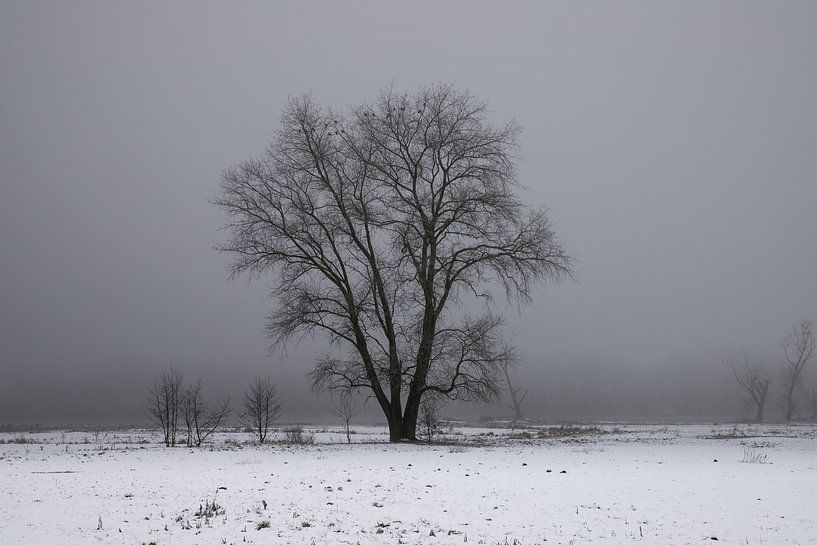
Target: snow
<point>603,484</point>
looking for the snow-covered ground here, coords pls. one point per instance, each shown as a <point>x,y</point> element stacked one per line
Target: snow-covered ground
<point>601,484</point>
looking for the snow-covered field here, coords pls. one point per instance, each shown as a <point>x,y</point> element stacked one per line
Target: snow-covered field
<point>605,484</point>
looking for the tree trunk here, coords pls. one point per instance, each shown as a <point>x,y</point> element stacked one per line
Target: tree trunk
<point>410,418</point>
<point>395,431</point>
<point>790,403</point>
<point>759,415</point>
<point>812,399</point>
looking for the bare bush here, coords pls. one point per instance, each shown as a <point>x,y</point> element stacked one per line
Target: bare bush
<point>209,509</point>
<point>19,439</point>
<point>752,456</point>
<point>294,435</point>
<point>261,407</point>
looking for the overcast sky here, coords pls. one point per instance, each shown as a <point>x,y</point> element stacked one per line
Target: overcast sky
<point>674,143</point>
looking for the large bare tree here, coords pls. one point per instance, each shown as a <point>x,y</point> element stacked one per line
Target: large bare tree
<point>754,379</point>
<point>798,347</point>
<point>376,224</point>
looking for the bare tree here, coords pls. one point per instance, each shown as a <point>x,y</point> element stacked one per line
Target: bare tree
<point>345,409</point>
<point>798,347</point>
<point>755,380</point>
<point>200,417</point>
<point>261,407</point>
<point>187,411</point>
<point>165,403</point>
<point>430,417</point>
<point>516,393</point>
<point>375,225</point>
<point>811,398</point>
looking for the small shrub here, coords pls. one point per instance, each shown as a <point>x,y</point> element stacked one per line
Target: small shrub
<point>569,430</point>
<point>294,435</point>
<point>261,525</point>
<point>752,456</point>
<point>232,443</point>
<point>21,439</point>
<point>732,433</point>
<point>209,510</point>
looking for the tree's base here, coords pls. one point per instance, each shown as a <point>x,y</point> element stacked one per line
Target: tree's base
<point>399,435</point>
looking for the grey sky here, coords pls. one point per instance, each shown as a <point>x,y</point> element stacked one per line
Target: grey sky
<point>675,144</point>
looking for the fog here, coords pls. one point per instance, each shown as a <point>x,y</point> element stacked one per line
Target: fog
<point>674,144</point>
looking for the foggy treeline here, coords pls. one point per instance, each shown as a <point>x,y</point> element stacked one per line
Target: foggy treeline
<point>699,388</point>
<point>685,191</point>
<point>694,386</point>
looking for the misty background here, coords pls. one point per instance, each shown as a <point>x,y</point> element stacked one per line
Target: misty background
<point>675,145</point>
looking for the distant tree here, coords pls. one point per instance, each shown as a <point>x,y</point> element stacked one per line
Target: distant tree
<point>430,417</point>
<point>165,403</point>
<point>187,411</point>
<point>811,397</point>
<point>376,225</point>
<point>200,417</point>
<point>798,347</point>
<point>517,394</point>
<point>755,380</point>
<point>261,407</point>
<point>345,408</point>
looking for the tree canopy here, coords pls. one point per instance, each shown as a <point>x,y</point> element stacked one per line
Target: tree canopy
<point>376,223</point>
